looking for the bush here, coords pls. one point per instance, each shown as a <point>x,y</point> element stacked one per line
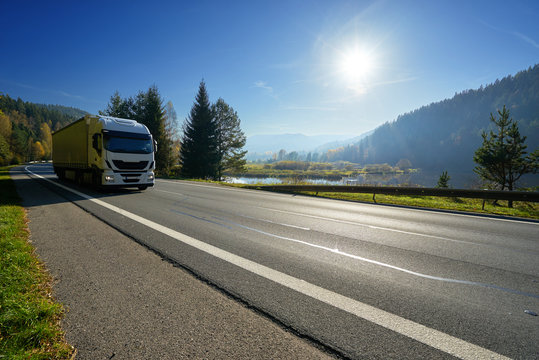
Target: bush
<point>291,165</point>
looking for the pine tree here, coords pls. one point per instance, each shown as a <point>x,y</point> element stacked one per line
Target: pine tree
<point>118,107</point>
<point>502,157</point>
<point>199,153</point>
<point>230,138</point>
<point>148,109</point>
<point>443,181</point>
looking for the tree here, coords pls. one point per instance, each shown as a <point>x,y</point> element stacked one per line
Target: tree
<point>37,151</point>
<point>150,111</point>
<point>46,139</point>
<point>404,164</point>
<point>5,126</point>
<point>230,138</point>
<point>172,131</point>
<point>5,154</point>
<point>443,181</point>
<point>118,107</point>
<point>502,157</point>
<point>146,108</point>
<point>199,155</point>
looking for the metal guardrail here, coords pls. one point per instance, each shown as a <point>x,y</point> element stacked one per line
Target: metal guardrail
<point>529,196</point>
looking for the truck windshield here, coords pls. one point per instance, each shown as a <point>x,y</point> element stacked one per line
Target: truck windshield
<point>128,145</point>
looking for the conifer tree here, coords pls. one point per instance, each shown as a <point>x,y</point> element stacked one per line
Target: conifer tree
<point>502,157</point>
<point>148,109</point>
<point>199,153</point>
<point>443,180</point>
<point>230,138</point>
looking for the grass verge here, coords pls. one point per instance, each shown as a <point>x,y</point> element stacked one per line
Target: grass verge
<point>29,317</point>
<point>519,209</point>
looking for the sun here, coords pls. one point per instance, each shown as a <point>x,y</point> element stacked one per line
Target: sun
<point>356,65</point>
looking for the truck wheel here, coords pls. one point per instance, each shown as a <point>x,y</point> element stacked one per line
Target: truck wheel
<point>142,187</point>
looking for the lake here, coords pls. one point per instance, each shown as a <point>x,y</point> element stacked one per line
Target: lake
<point>421,178</point>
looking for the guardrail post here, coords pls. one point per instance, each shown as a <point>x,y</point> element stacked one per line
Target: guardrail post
<point>374,197</point>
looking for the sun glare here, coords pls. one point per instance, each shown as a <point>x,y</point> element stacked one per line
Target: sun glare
<point>356,65</point>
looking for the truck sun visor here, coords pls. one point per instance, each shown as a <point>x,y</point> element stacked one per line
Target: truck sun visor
<point>129,135</point>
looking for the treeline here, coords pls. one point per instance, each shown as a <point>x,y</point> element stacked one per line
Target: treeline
<point>25,129</point>
<point>210,143</point>
<point>445,135</point>
<point>212,140</point>
<point>148,108</point>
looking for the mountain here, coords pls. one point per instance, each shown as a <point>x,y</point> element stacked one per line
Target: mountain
<point>341,143</point>
<point>258,146</point>
<point>446,134</point>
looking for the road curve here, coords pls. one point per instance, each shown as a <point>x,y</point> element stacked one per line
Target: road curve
<point>368,281</point>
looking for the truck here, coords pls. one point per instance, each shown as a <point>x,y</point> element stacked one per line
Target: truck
<point>105,151</point>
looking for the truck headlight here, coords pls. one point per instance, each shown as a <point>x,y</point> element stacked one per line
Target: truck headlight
<point>150,176</point>
<point>109,177</point>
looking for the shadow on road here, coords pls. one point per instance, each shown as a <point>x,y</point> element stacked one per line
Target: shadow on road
<point>24,180</point>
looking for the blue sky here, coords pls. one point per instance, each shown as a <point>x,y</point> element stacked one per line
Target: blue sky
<point>311,67</point>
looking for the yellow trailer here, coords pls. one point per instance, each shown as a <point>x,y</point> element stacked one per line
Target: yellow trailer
<point>105,151</point>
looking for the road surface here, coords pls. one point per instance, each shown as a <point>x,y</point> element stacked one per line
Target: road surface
<point>364,280</point>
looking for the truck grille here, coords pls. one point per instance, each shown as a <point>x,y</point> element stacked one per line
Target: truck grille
<point>131,178</point>
<point>125,165</point>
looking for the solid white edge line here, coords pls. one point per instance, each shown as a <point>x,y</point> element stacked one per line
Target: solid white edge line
<point>431,337</point>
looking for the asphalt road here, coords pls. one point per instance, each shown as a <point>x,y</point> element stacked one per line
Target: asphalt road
<point>367,281</point>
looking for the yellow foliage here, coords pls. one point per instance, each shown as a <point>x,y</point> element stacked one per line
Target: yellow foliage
<point>37,151</point>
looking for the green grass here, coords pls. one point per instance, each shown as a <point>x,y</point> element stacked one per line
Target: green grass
<point>296,175</point>
<point>520,209</point>
<point>29,317</point>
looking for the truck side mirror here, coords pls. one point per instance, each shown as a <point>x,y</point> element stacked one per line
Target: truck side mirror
<point>96,143</point>
<point>155,146</point>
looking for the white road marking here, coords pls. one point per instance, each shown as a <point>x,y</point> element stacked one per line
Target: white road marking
<point>431,337</point>
<point>375,227</point>
<point>248,217</point>
<point>276,223</point>
<point>168,192</point>
<point>379,263</point>
<point>447,213</point>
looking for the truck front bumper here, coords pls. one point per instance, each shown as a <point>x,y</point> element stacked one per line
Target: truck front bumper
<point>127,179</point>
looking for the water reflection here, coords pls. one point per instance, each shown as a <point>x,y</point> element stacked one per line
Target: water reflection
<point>417,178</point>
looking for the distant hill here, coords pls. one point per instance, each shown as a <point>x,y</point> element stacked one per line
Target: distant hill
<point>70,112</point>
<point>25,128</point>
<point>259,145</point>
<point>445,135</point>
<point>341,143</point>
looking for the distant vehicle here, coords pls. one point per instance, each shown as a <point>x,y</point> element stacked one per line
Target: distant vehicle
<point>105,151</point>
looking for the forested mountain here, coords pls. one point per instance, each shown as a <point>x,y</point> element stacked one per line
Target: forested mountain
<point>25,128</point>
<point>445,135</point>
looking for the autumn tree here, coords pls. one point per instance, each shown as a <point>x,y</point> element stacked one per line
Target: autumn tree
<point>37,151</point>
<point>46,139</point>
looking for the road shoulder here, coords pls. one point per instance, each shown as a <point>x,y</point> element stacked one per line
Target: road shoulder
<point>125,302</point>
